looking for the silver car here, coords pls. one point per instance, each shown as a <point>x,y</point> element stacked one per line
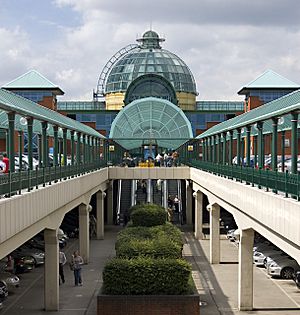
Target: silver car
<point>37,254</point>
<point>260,255</point>
<point>284,267</point>
<point>11,280</point>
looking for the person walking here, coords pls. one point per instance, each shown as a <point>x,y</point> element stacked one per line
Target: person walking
<point>77,261</point>
<point>62,262</point>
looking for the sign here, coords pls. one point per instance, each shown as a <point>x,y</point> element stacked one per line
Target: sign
<point>111,148</point>
<point>190,148</point>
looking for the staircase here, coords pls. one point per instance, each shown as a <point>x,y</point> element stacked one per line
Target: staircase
<point>157,192</point>
<point>172,192</point>
<point>141,194</point>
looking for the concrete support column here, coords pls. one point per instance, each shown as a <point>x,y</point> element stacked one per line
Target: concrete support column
<point>189,200</point>
<point>198,215</point>
<point>149,191</point>
<point>245,283</point>
<point>100,215</point>
<point>165,194</point>
<point>84,235</point>
<point>214,230</point>
<point>51,284</point>
<point>110,217</point>
<point>133,192</point>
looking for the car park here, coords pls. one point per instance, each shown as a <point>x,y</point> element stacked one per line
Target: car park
<point>260,255</point>
<point>22,263</point>
<point>284,267</point>
<point>37,254</point>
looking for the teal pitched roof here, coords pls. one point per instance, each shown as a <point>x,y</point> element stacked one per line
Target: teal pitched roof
<point>269,80</point>
<point>32,80</point>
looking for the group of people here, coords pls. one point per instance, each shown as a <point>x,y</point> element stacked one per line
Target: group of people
<point>75,265</point>
<point>168,159</point>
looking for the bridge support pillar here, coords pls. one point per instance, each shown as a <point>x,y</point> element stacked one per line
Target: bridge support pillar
<point>214,230</point>
<point>51,284</point>
<point>100,215</point>
<point>84,235</point>
<point>198,215</point>
<point>245,283</point>
<point>110,216</point>
<point>189,203</point>
<point>149,191</point>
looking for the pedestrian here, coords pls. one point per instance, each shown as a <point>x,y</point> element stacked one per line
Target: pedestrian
<point>158,159</point>
<point>175,157</point>
<point>176,204</point>
<point>62,262</point>
<point>10,265</point>
<point>2,165</point>
<point>77,261</point>
<point>6,161</point>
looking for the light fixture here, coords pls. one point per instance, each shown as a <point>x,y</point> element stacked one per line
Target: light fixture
<point>255,126</point>
<point>242,130</point>
<point>60,129</point>
<point>23,121</point>
<point>281,121</point>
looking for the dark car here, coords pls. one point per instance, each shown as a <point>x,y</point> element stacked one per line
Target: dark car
<point>22,263</point>
<point>297,279</point>
<point>3,291</point>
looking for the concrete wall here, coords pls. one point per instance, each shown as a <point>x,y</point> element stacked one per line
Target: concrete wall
<point>275,217</point>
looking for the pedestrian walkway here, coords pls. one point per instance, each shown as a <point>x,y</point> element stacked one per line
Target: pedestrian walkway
<point>29,300</point>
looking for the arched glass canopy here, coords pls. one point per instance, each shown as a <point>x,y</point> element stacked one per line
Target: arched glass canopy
<point>151,120</point>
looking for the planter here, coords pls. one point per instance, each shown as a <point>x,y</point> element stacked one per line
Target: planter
<point>148,304</point>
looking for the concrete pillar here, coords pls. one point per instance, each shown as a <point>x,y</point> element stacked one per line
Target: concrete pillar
<point>84,235</point>
<point>51,284</point>
<point>189,210</point>
<point>133,192</point>
<point>149,191</point>
<point>198,215</point>
<point>109,196</point>
<point>214,217</point>
<point>245,283</point>
<point>165,194</point>
<point>100,215</point>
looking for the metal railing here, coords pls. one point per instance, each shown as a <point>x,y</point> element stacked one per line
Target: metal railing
<point>275,181</point>
<point>15,183</point>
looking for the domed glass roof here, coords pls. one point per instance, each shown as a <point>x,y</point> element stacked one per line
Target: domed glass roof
<point>149,57</point>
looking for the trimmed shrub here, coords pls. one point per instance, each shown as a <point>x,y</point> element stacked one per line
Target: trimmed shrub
<point>161,247</point>
<point>148,215</point>
<point>145,275</point>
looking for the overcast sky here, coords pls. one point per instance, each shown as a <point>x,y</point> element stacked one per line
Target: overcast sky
<point>225,43</point>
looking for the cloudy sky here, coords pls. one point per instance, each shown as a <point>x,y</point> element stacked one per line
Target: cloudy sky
<point>226,43</point>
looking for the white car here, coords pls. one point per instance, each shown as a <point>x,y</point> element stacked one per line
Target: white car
<point>260,255</point>
<point>284,267</point>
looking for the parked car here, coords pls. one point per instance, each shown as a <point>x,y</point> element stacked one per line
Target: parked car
<point>12,281</point>
<point>269,259</point>
<point>22,263</point>
<point>229,235</point>
<point>260,256</point>
<point>37,254</point>
<point>288,165</point>
<point>297,279</point>
<point>284,267</point>
<point>3,291</point>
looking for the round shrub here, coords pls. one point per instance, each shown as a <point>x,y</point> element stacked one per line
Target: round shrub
<point>145,275</point>
<point>148,215</point>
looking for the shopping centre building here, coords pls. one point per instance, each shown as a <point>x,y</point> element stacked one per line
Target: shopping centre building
<point>146,92</point>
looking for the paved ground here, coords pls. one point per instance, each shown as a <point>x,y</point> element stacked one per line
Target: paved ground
<point>217,284</point>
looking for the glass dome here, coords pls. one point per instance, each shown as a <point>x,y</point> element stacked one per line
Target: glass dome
<point>149,57</point>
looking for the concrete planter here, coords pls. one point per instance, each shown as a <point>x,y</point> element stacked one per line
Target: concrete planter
<point>148,304</point>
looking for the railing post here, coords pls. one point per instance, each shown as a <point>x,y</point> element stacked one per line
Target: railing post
<point>238,146</point>
<point>11,138</point>
<point>29,141</point>
<point>36,178</point>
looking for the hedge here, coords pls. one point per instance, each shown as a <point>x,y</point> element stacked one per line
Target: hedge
<point>155,248</point>
<point>156,232</point>
<point>148,215</point>
<point>145,275</point>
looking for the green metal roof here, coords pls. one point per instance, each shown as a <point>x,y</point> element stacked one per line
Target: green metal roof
<point>147,58</point>
<point>32,80</point>
<point>151,118</point>
<point>277,108</point>
<point>269,80</point>
<point>11,102</point>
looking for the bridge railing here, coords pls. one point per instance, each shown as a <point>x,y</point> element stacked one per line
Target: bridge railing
<point>287,183</point>
<point>16,182</point>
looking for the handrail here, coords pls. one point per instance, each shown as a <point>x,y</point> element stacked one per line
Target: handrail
<point>274,181</point>
<point>13,183</point>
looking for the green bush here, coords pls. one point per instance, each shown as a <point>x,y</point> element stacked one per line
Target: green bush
<point>155,248</point>
<point>145,275</point>
<point>148,215</point>
<point>156,232</point>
